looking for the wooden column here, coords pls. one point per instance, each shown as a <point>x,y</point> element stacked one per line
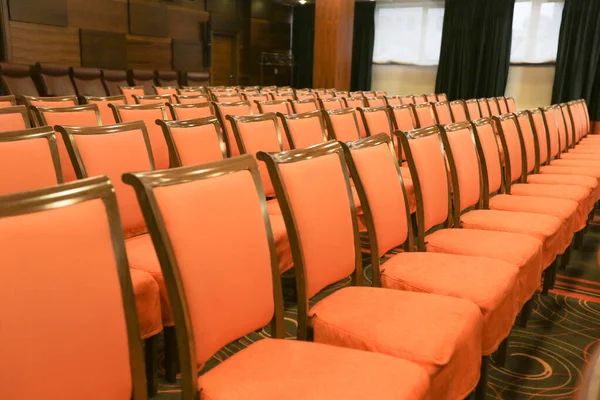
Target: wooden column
<point>334,26</point>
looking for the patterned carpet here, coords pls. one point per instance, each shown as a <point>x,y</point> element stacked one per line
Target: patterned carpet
<point>546,359</point>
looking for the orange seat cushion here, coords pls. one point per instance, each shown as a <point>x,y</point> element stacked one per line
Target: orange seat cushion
<point>273,207</point>
<point>545,228</point>
<point>490,284</point>
<point>289,370</point>
<point>282,243</point>
<point>147,303</point>
<point>567,179</point>
<point>442,334</point>
<point>520,250</point>
<point>581,156</point>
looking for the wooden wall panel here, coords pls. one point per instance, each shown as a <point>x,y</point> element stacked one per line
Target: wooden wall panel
<point>147,18</point>
<point>188,55</point>
<point>50,44</point>
<point>334,26</point>
<point>185,23</point>
<point>47,12</point>
<point>148,53</point>
<point>222,6</point>
<point>100,15</point>
<point>106,50</point>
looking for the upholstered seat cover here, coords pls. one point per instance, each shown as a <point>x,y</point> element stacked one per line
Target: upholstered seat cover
<point>147,303</point>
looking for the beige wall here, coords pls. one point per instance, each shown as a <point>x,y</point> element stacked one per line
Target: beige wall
<point>531,86</point>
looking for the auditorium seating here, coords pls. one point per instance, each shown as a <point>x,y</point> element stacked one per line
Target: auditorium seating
<point>191,110</point>
<point>342,124</point>
<point>167,79</point>
<point>88,82</point>
<point>102,102</point>
<point>144,78</point>
<point>303,129</point>
<point>113,80</point>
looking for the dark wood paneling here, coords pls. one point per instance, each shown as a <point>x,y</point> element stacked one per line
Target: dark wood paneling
<point>185,22</point>
<point>224,60</point>
<point>106,50</point>
<point>147,18</point>
<point>187,55</point>
<point>222,6</point>
<point>50,44</point>
<point>148,53</point>
<point>261,9</point>
<point>100,15</point>
<point>47,12</point>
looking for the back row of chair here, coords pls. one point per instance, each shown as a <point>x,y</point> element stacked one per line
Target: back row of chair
<point>312,189</point>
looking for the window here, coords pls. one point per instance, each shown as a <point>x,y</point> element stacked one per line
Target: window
<point>536,27</point>
<point>408,32</point>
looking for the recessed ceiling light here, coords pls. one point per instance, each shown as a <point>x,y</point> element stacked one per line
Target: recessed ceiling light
<point>302,2</point>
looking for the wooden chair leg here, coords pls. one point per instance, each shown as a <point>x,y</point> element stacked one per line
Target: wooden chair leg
<point>501,353</point>
<point>171,363</point>
<point>548,277</point>
<point>151,359</point>
<point>525,312</point>
<point>482,384</point>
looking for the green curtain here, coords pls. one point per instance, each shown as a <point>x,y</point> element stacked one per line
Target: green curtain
<point>475,52</point>
<point>303,38</point>
<point>362,46</point>
<point>577,61</point>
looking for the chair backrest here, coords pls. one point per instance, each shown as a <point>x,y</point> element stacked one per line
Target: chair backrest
<point>167,79</point>
<point>489,158</point>
<point>552,130</point>
<point>442,111</point>
<point>304,129</point>
<point>85,115</point>
<point>17,80</point>
<point>274,106</point>
<point>577,115</point>
<point>113,150</point>
<point>424,114</point>
<point>459,113</point>
<point>28,160</point>
<point>169,90</point>
<point>196,78</point>
<point>113,80</point>
<point>51,297</point>
<point>529,140</point>
<point>193,91</point>
<point>569,125</point>
<point>420,98</point>
<point>393,100</point>
<point>283,96</point>
<point>428,169</point>
<point>407,99</point>
<point>432,97</point>
<point>147,113</point>
<point>355,102</point>
<point>55,80</point>
<point>493,106</point>
<point>222,110</point>
<point>380,188</point>
<point>510,102</point>
<point>377,120</point>
<point>106,114</point>
<point>227,97</point>
<point>512,147</point>
<point>484,108</point>
<point>313,190</point>
<point>254,133</point>
<point>342,124</point>
<point>130,91</point>
<point>381,93</point>
<point>536,115</point>
<point>88,81</point>
<point>341,94</point>
<point>201,295</point>
<point>324,95</point>
<point>191,99</point>
<point>190,111</point>
<point>61,101</point>
<point>562,128</point>
<point>255,97</point>
<point>8,101</point>
<point>502,105</point>
<point>442,97</point>
<point>304,106</point>
<point>331,103</point>
<point>376,101</point>
<point>144,78</point>
<point>305,96</point>
<point>472,109</point>
<point>14,118</point>
<point>194,141</point>
<point>403,117</point>
<point>152,99</point>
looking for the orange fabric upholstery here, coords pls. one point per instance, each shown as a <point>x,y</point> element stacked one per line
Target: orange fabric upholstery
<point>458,112</point>
<point>484,110</point>
<point>354,102</point>
<point>491,155</point>
<point>197,144</point>
<point>466,165</point>
<point>473,109</point>
<point>332,104</point>
<point>52,103</point>
<point>26,165</point>
<point>376,101</point>
<point>513,143</point>
<point>493,106</point>
<point>191,99</point>
<point>106,113</point>
<point>160,152</point>
<point>378,122</point>
<point>182,113</point>
<point>225,110</point>
<point>404,118</point>
<point>425,115</point>
<point>171,91</point>
<point>147,303</point>
<point>443,113</point>
<point>432,338</point>
<point>12,122</point>
<point>128,92</point>
<point>283,108</point>
<point>305,131</point>
<point>345,126</point>
<point>303,107</point>
<point>502,105</point>
<point>256,372</point>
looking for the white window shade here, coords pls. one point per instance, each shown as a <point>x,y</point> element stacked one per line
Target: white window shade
<point>535,31</point>
<point>408,32</point>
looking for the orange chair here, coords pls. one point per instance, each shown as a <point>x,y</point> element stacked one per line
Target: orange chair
<point>80,312</point>
<point>202,295</point>
<point>422,98</point>
<point>304,96</point>
<point>431,98</point>
<point>369,93</point>
<point>191,99</point>
<point>341,94</point>
<point>190,91</point>
<point>407,99</point>
<point>283,96</point>
<point>376,101</point>
<point>152,99</point>
<point>29,160</point>
<point>222,110</point>
<point>472,109</point>
<point>424,114</point>
<point>442,97</point>
<point>393,100</point>
<point>324,95</point>
<point>342,124</point>
<point>502,105</point>
<point>304,106</point>
<point>332,103</point>
<point>106,113</point>
<point>190,111</point>
<point>493,106</point>
<point>484,108</point>
<point>510,102</point>
<point>492,288</point>
<point>303,129</point>
<point>194,141</point>
<point>129,91</point>
<point>403,118</point>
<point>442,112</point>
<point>85,115</point>
<point>459,113</point>
<point>63,101</point>
<point>227,97</point>
<point>148,113</point>
<point>170,90</point>
<point>355,102</point>
<point>113,150</point>
<point>8,101</point>
<point>255,97</point>
<point>274,106</point>
<point>438,230</point>
<point>442,334</point>
<point>14,118</point>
